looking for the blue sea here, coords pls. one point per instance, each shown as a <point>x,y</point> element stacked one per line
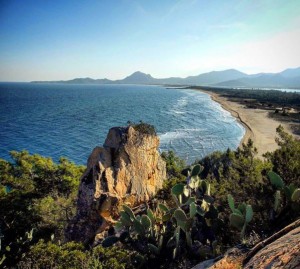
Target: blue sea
<point>70,120</point>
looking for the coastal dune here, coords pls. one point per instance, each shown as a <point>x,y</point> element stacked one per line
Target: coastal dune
<point>259,126</point>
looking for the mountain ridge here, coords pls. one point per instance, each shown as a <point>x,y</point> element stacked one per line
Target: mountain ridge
<point>289,78</point>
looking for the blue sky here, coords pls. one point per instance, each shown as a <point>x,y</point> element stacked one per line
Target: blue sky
<point>51,40</point>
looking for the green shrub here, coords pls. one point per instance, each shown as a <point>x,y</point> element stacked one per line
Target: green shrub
<point>286,159</point>
<point>164,234</point>
<point>174,164</point>
<point>73,255</point>
<point>286,200</point>
<point>240,216</point>
<point>143,127</point>
<point>38,194</point>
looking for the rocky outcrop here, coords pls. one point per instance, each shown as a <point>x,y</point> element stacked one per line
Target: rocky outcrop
<point>127,169</point>
<point>281,250</point>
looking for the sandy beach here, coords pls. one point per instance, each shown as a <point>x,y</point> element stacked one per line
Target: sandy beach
<point>259,127</point>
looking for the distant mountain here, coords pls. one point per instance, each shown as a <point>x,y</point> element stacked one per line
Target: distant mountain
<point>137,78</point>
<point>289,78</point>
<point>278,80</point>
<point>78,81</point>
<point>89,81</point>
<point>214,77</point>
<point>171,81</point>
<point>237,83</point>
<point>291,73</point>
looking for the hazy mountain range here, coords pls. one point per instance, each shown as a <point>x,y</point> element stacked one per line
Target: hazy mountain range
<point>289,78</point>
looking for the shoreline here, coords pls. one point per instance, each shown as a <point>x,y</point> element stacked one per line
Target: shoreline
<point>249,134</point>
<point>259,127</point>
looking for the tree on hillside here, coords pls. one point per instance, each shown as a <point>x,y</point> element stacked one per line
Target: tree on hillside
<point>286,159</point>
<point>37,197</point>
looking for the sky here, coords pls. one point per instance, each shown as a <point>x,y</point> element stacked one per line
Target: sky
<point>60,40</point>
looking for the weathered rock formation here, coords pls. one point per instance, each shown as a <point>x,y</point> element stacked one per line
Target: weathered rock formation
<point>281,250</point>
<point>127,169</point>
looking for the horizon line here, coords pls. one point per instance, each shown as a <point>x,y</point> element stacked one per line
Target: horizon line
<point>63,80</point>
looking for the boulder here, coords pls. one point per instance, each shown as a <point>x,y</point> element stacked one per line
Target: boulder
<point>280,251</point>
<point>283,252</point>
<point>127,169</point>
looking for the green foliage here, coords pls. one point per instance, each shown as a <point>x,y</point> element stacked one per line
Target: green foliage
<point>55,211</point>
<point>276,180</point>
<point>73,255</point>
<point>174,165</point>
<point>243,176</point>
<point>286,198</point>
<point>246,178</point>
<point>178,189</point>
<point>172,232</point>
<point>109,241</point>
<point>143,127</point>
<point>196,169</point>
<point>286,159</point>
<point>268,96</point>
<point>240,216</point>
<point>231,203</point>
<point>296,195</point>
<point>277,198</point>
<point>37,194</point>
<point>39,175</point>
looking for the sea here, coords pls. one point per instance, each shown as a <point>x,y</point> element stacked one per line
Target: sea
<point>56,120</point>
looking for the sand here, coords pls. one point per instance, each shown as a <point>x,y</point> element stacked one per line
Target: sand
<point>259,127</point>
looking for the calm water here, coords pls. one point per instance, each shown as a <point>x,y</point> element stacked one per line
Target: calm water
<point>70,120</point>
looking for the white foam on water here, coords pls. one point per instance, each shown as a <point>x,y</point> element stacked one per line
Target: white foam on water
<point>173,111</point>
<point>170,136</point>
<point>182,102</point>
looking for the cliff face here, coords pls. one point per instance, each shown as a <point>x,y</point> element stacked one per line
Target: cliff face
<point>127,169</point>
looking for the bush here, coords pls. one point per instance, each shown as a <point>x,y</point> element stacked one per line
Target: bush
<point>286,159</point>
<point>174,164</point>
<point>165,235</point>
<point>37,194</point>
<point>73,255</point>
<point>143,127</point>
<point>38,198</point>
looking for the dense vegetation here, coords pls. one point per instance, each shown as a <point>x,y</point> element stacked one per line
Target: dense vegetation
<point>246,178</point>
<point>143,127</point>
<point>194,218</point>
<point>268,96</point>
<point>37,200</point>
